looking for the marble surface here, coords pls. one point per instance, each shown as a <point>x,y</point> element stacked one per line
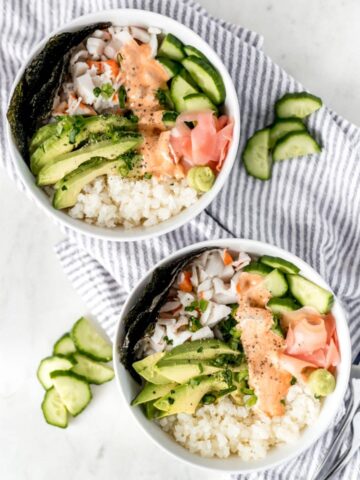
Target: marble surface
<point>315,41</point>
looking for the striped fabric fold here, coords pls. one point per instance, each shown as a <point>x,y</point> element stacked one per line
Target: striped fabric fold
<point>311,207</point>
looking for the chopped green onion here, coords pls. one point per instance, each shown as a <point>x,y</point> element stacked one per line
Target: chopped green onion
<point>97,91</point>
<point>107,90</point>
<point>203,305</point>
<point>251,401</point>
<point>147,175</point>
<point>122,96</point>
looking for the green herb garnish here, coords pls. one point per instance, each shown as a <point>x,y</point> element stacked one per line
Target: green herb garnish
<point>293,380</point>
<point>194,324</point>
<point>251,401</point>
<point>122,96</point>
<point>105,90</point>
<point>148,176</point>
<point>203,305</point>
<point>168,340</point>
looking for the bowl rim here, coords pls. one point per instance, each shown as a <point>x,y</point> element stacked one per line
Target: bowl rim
<point>120,234</point>
<point>252,246</point>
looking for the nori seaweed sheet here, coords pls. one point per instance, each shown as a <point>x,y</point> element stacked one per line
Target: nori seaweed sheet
<point>33,96</point>
<point>145,311</point>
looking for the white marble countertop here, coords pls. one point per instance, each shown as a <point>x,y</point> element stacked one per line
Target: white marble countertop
<point>317,42</point>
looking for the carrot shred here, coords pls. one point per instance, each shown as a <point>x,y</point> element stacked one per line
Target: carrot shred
<point>185,284</point>
<point>227,258</point>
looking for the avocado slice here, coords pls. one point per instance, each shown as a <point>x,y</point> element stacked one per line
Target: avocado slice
<point>186,398</point>
<point>181,371</point>
<point>68,134</point>
<point>199,350</point>
<point>147,369</point>
<point>42,134</point>
<point>109,149</point>
<point>71,185</point>
<point>152,392</point>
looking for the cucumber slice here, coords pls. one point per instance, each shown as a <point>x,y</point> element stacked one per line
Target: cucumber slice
<point>164,98</point>
<point>309,294</point>
<point>279,263</point>
<point>295,144</point>
<point>207,78</point>
<point>276,283</point>
<point>73,390</point>
<point>172,47</point>
<point>282,126</point>
<point>279,306</point>
<point>180,88</point>
<point>298,105</point>
<point>50,364</point>
<point>151,392</point>
<point>169,118</point>
<point>54,410</point>
<point>258,268</point>
<point>196,102</point>
<point>93,372</point>
<point>256,158</point>
<point>172,68</point>
<point>190,50</point>
<point>87,340</point>
<point>64,346</point>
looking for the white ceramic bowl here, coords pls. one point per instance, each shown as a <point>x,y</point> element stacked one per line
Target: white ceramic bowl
<point>141,18</point>
<point>129,388</point>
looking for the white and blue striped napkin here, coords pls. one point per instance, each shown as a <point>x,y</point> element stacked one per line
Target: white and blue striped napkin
<point>311,207</point>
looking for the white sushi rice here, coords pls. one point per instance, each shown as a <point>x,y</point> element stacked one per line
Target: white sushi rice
<point>111,201</point>
<point>223,429</point>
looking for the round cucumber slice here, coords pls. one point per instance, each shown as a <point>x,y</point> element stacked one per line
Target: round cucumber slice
<point>201,178</point>
<point>256,158</point>
<point>295,144</point>
<point>298,105</point>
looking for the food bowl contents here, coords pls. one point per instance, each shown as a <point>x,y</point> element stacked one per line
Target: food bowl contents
<point>234,353</point>
<point>76,362</point>
<point>132,129</point>
<point>286,138</point>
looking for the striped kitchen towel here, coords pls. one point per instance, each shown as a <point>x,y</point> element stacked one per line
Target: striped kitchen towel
<point>311,207</point>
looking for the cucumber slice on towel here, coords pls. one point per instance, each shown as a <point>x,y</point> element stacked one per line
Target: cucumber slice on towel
<point>282,126</point>
<point>295,144</point>
<point>256,158</point>
<point>298,105</point>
